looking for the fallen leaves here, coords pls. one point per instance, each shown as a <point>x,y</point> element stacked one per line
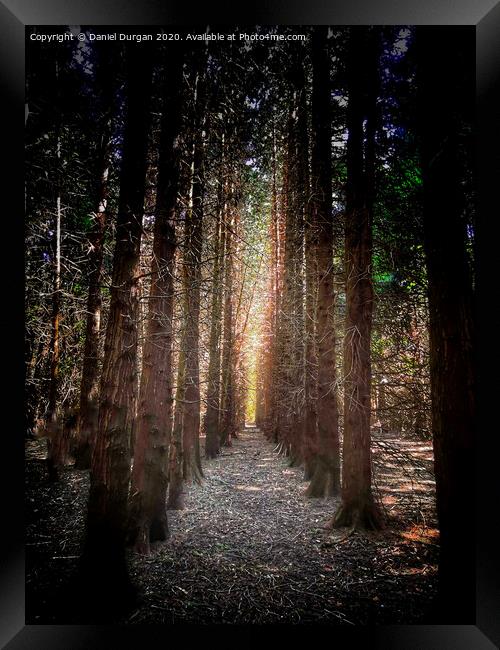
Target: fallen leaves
<point>249,548</point>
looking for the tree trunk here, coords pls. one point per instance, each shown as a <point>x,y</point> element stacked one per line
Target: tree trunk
<point>446,61</point>
<point>211,424</point>
<point>307,249</point>
<point>310,432</point>
<point>89,387</point>
<point>285,339</point>
<point>228,398</point>
<point>270,350</point>
<point>299,195</point>
<point>358,508</point>
<point>191,285</point>
<point>148,516</point>
<point>326,478</point>
<point>175,464</point>
<point>382,405</point>
<point>110,468</point>
<point>55,444</point>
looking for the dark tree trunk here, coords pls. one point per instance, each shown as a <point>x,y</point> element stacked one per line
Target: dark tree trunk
<point>311,358</point>
<point>227,427</point>
<point>56,447</point>
<point>148,516</point>
<point>270,351</point>
<point>34,360</point>
<point>299,197</point>
<point>326,477</point>
<point>175,464</point>
<point>287,353</point>
<point>175,459</point>
<point>211,423</point>
<point>110,468</point>
<point>191,286</point>
<point>310,378</point>
<point>89,387</point>
<point>54,441</point>
<point>279,326</point>
<point>358,508</point>
<point>54,349</point>
<point>446,59</point>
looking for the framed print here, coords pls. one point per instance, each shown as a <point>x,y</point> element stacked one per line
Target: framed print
<point>251,287</point>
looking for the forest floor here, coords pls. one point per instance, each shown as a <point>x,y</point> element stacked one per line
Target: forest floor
<point>249,547</point>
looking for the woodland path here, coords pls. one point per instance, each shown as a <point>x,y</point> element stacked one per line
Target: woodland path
<point>249,547</point>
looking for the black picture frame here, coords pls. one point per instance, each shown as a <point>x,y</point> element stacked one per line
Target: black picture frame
<point>484,15</point>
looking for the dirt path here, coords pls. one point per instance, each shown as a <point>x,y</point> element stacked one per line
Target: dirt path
<point>250,548</point>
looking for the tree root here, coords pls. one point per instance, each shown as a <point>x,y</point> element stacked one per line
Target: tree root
<point>358,516</point>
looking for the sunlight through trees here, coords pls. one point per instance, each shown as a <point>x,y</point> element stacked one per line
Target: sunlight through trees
<point>254,239</point>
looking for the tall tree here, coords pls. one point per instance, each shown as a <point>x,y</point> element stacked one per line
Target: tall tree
<point>111,457</point>
<point>358,508</point>
<point>211,421</point>
<point>193,233</point>
<point>271,341</point>
<point>310,425</point>
<point>298,197</point>
<point>279,346</point>
<point>89,385</point>
<point>446,109</point>
<point>310,240</point>
<point>175,456</point>
<point>153,426</point>
<point>227,422</point>
<point>325,480</point>
<point>287,324</point>
<point>52,423</point>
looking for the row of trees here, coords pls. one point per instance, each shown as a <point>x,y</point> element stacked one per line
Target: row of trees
<point>298,400</point>
<point>322,289</point>
<point>172,273</point>
<point>162,182</point>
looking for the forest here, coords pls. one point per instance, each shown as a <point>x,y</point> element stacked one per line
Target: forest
<point>249,325</point>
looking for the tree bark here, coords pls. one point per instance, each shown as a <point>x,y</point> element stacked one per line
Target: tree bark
<point>211,423</point>
<point>446,115</point>
<point>300,192</point>
<point>285,322</point>
<point>148,516</point>
<point>270,352</point>
<point>192,470</point>
<point>228,397</point>
<point>110,468</point>
<point>326,477</point>
<point>358,508</point>
<point>175,463</point>
<point>56,448</point>
<point>89,387</point>
<point>310,432</point>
